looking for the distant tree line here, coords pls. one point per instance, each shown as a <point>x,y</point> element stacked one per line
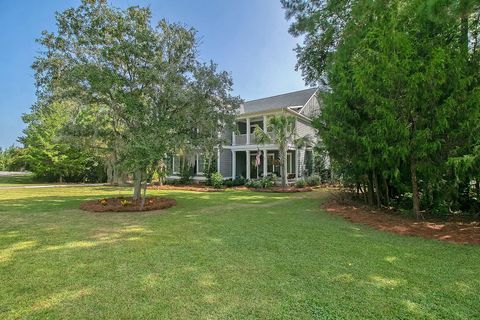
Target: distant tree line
<point>401,112</point>
<point>117,95</point>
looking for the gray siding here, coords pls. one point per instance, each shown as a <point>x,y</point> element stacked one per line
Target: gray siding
<point>312,107</point>
<point>303,129</point>
<point>226,162</point>
<point>301,162</point>
<point>227,136</point>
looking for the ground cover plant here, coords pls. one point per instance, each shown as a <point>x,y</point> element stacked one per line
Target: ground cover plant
<point>233,254</point>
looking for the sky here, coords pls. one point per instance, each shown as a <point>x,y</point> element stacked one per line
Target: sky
<point>248,38</point>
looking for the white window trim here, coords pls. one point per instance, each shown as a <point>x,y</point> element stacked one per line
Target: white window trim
<point>196,165</point>
<point>290,162</point>
<point>173,164</point>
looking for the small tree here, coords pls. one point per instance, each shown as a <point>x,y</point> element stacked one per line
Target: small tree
<point>282,128</point>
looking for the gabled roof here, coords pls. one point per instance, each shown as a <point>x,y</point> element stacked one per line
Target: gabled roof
<point>292,99</point>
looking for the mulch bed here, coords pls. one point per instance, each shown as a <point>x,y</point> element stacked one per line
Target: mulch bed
<point>126,204</point>
<point>196,188</point>
<point>204,188</point>
<point>388,220</point>
<point>282,190</point>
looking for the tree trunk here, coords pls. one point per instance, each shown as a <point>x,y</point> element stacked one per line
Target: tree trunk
<point>477,188</point>
<point>370,189</point>
<point>377,189</point>
<point>144,195</point>
<point>137,186</point>
<point>387,192</point>
<point>109,172</point>
<point>415,193</point>
<point>283,165</point>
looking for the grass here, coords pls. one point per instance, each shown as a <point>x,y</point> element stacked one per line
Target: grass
<point>18,180</point>
<point>230,255</point>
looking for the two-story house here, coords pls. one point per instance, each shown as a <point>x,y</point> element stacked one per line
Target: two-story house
<point>238,157</point>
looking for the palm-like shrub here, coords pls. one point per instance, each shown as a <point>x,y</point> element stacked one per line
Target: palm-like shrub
<point>282,129</point>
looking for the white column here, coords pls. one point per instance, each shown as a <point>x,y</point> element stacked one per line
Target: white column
<point>233,137</point>
<point>265,162</point>
<point>248,164</point>
<point>265,123</point>
<point>234,165</point>
<point>248,130</point>
<point>218,159</point>
<point>296,164</point>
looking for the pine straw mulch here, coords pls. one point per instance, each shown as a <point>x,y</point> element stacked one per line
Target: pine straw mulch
<point>450,230</point>
<point>282,190</point>
<point>196,188</point>
<point>204,188</point>
<point>126,204</point>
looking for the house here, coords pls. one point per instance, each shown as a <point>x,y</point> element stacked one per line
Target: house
<point>238,156</point>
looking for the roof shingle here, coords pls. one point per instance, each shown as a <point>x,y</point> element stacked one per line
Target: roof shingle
<point>297,98</point>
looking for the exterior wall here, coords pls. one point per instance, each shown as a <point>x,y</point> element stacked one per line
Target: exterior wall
<point>226,162</point>
<point>227,136</point>
<point>312,107</point>
<point>303,129</point>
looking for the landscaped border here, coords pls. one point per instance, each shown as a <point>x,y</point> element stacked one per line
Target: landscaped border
<point>458,231</point>
<point>127,204</point>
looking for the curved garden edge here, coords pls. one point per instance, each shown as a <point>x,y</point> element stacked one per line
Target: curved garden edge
<point>203,188</point>
<point>464,232</point>
<point>127,204</point>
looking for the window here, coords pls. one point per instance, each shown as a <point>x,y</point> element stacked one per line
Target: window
<point>176,164</point>
<point>290,162</point>
<point>200,164</point>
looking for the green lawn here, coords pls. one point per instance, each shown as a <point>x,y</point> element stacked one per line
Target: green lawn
<point>231,255</point>
<point>16,180</point>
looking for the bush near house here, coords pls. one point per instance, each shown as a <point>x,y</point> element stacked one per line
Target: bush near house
<point>300,183</point>
<point>216,180</point>
<point>313,181</point>
<point>263,183</point>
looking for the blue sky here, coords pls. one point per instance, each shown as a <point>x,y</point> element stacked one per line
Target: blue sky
<point>248,38</point>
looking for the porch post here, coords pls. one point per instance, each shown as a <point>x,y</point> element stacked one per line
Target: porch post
<point>265,162</point>
<point>296,164</point>
<point>248,130</point>
<point>234,165</point>
<point>233,137</point>
<point>218,160</point>
<point>264,123</point>
<point>248,164</point>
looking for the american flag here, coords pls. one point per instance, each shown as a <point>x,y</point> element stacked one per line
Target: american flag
<point>257,158</point>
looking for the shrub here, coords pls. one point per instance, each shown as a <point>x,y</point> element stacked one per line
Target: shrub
<point>216,180</point>
<point>300,183</point>
<point>264,183</point>
<point>239,181</point>
<point>228,183</point>
<point>313,181</point>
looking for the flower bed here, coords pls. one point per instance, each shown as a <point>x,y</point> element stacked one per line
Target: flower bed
<point>124,204</point>
<point>282,190</point>
<point>196,188</point>
<point>392,221</point>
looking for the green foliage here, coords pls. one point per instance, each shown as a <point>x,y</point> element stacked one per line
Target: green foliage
<point>313,181</point>
<point>142,82</point>
<point>186,173</point>
<point>216,180</point>
<point>13,159</point>
<point>300,183</point>
<point>402,107</point>
<point>281,131</point>
<point>263,183</point>
<point>237,182</point>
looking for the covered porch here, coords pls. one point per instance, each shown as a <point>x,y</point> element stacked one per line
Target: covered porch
<point>255,164</point>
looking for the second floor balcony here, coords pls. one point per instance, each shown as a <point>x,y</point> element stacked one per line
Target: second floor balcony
<point>245,129</point>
